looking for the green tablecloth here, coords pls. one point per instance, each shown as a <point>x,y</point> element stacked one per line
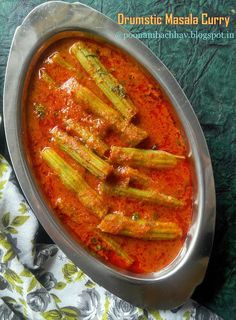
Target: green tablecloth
<point>206,70</point>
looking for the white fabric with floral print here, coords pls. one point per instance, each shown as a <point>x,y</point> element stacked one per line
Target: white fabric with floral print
<point>39,282</point>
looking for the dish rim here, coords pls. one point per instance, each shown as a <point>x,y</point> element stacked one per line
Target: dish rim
<point>206,194</point>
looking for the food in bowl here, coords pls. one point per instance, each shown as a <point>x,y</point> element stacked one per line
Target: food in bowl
<point>108,154</point>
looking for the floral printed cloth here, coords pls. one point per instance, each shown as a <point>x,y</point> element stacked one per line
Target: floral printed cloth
<point>39,282</point>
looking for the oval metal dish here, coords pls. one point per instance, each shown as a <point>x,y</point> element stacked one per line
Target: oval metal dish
<point>171,286</point>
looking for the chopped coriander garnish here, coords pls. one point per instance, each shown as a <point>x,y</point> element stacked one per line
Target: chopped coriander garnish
<point>91,55</point>
<point>135,216</point>
<point>40,110</point>
<point>119,89</point>
<point>101,72</point>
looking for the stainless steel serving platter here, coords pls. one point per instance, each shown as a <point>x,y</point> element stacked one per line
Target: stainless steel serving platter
<point>171,286</point>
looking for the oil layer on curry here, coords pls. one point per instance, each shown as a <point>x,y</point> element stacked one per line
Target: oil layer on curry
<point>108,155</point>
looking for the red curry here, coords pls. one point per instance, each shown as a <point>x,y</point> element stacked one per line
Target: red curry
<point>49,106</point>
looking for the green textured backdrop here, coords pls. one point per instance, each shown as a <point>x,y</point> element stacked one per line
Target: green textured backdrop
<point>206,70</point>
